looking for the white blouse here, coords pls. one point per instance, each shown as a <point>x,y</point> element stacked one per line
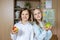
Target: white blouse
<point>39,33</point>
<point>25,32</point>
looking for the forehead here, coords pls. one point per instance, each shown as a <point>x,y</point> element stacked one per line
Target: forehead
<point>36,10</point>
<point>25,11</point>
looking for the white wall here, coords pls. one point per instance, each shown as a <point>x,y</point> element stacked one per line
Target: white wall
<point>6,18</point>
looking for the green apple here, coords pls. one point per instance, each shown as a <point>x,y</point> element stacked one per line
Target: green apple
<point>48,24</point>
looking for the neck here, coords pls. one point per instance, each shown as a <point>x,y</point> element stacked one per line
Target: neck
<point>23,22</point>
<point>38,21</point>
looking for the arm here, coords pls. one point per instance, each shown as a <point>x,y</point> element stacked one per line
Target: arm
<point>13,36</point>
<point>42,35</point>
<point>38,34</point>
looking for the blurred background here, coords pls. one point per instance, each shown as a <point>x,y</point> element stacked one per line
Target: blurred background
<point>9,14</point>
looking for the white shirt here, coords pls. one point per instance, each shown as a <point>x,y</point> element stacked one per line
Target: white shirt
<point>39,33</point>
<point>25,31</point>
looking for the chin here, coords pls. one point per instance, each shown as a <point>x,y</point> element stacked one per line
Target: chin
<point>38,18</point>
<point>25,19</point>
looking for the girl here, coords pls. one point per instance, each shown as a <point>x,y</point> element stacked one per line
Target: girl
<point>41,33</point>
<point>25,30</point>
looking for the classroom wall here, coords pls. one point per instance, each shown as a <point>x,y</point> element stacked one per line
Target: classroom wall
<point>6,18</point>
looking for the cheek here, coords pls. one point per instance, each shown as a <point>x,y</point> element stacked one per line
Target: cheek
<point>40,15</point>
<point>35,16</point>
<point>21,16</point>
<point>27,16</point>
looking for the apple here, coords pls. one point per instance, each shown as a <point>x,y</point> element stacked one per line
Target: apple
<point>48,24</point>
<point>15,29</point>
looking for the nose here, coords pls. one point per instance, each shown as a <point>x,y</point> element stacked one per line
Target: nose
<point>38,15</point>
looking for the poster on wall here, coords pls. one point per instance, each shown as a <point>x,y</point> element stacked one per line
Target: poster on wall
<point>48,4</point>
<point>49,16</point>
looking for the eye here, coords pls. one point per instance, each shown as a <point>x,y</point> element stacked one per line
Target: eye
<point>38,12</point>
<point>35,13</point>
<point>22,14</point>
<point>26,14</point>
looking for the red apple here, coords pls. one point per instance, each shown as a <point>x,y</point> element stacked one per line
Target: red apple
<point>15,29</point>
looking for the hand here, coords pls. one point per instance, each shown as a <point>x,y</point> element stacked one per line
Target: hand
<point>49,28</point>
<point>13,32</point>
<point>14,29</point>
<point>46,28</point>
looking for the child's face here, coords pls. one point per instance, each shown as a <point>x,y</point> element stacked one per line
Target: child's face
<point>25,15</point>
<point>37,14</point>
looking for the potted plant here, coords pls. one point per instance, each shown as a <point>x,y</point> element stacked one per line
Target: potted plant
<point>27,5</point>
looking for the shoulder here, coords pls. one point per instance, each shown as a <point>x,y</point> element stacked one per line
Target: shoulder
<point>30,25</point>
<point>35,26</point>
<point>17,24</point>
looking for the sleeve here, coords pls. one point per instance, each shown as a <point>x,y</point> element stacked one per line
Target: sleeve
<point>39,35</point>
<point>36,31</point>
<point>42,35</point>
<point>13,36</point>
